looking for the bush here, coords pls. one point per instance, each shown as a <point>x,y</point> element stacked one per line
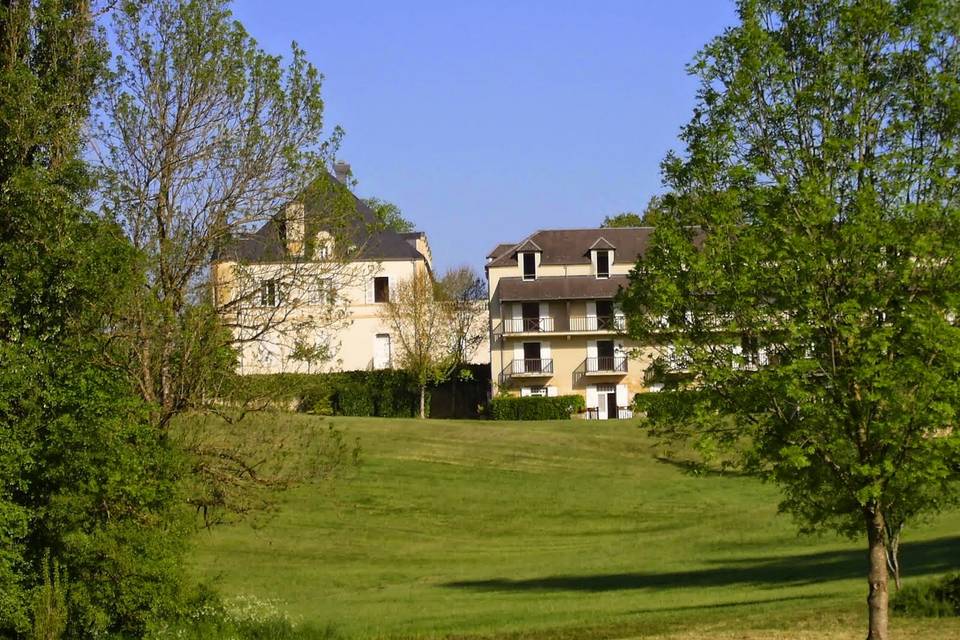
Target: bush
<point>935,599</point>
<point>536,407</point>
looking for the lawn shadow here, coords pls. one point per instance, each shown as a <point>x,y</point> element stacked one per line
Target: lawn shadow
<point>701,469</point>
<point>919,558</point>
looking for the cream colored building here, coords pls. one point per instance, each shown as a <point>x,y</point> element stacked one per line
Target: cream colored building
<point>555,328</point>
<point>304,293</point>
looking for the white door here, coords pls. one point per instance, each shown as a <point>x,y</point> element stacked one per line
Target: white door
<point>381,351</point>
<point>603,400</point>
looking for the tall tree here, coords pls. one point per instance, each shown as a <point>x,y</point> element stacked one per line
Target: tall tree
<point>203,136</point>
<point>630,219</point>
<point>463,295</point>
<point>84,480</point>
<point>389,215</point>
<point>805,270</point>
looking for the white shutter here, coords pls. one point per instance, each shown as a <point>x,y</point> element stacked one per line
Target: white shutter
<point>551,391</point>
<point>592,317</point>
<point>518,358</point>
<point>592,346</point>
<point>545,317</point>
<point>622,395</point>
<point>619,319</point>
<point>517,323</point>
<point>592,400</point>
<point>368,292</point>
<point>545,351</point>
<point>524,392</point>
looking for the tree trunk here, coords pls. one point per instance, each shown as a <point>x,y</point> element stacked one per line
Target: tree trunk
<point>423,404</point>
<point>877,578</point>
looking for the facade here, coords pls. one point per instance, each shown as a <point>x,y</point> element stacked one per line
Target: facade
<point>304,292</point>
<point>555,328</point>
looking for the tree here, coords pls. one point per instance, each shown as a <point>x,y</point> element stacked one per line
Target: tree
<point>804,268</point>
<point>630,219</point>
<point>202,137</point>
<point>463,294</point>
<point>421,329</point>
<point>389,215</point>
<point>85,482</point>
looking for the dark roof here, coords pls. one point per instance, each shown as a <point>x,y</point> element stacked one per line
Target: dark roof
<point>500,249</point>
<point>572,246</point>
<point>559,288</point>
<point>527,245</point>
<point>328,206</point>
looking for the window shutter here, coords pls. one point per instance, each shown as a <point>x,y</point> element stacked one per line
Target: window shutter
<point>545,351</point>
<point>592,400</point>
<point>592,317</point>
<point>592,347</point>
<point>552,392</point>
<point>619,319</point>
<point>545,316</point>
<point>518,358</point>
<point>368,292</point>
<point>621,395</point>
<point>524,392</point>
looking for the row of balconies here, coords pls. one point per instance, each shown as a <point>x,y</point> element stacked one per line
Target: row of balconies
<point>543,367</point>
<point>572,324</point>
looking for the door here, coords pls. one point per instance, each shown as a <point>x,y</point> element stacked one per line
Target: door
<point>381,351</point>
<point>605,352</point>
<point>531,316</point>
<point>604,391</point>
<point>612,413</point>
<point>531,357</point>
<point>604,315</point>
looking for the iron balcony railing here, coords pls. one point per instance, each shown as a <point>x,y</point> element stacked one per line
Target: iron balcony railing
<point>608,364</point>
<point>623,413</point>
<point>528,325</point>
<point>597,323</point>
<point>531,367</point>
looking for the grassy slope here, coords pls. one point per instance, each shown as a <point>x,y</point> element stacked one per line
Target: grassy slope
<point>563,529</point>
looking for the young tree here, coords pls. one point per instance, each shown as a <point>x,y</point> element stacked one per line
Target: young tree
<point>84,479</point>
<point>805,269</point>
<point>463,295</point>
<point>421,329</point>
<point>202,136</point>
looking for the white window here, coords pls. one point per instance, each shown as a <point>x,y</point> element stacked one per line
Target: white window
<point>528,263</point>
<point>603,264</point>
<point>323,291</point>
<point>540,392</point>
<point>269,293</point>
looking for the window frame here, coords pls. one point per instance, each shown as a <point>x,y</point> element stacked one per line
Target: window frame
<point>385,289</point>
<point>523,265</point>
<point>603,275</point>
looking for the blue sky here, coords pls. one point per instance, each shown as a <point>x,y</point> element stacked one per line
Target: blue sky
<point>485,121</point>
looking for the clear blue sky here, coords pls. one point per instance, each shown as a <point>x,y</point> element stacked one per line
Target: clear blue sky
<point>487,120</point>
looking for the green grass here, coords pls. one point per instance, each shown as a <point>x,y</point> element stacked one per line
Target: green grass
<point>548,530</point>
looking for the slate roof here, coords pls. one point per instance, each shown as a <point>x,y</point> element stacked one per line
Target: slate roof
<point>500,249</point>
<point>328,206</point>
<point>560,288</point>
<point>572,246</point>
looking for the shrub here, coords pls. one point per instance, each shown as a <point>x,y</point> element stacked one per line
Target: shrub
<point>536,407</point>
<point>934,599</point>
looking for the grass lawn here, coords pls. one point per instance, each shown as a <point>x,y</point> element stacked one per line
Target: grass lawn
<point>549,530</point>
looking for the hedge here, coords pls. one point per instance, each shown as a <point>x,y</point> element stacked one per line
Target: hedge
<point>934,599</point>
<point>536,407</point>
<point>385,393</point>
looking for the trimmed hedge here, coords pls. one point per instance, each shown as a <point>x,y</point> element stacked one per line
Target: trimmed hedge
<point>536,407</point>
<point>384,393</point>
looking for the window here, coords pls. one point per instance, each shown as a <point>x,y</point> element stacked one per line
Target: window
<point>323,292</point>
<point>529,266</point>
<point>269,293</point>
<point>603,264</point>
<point>540,392</point>
<point>381,289</point>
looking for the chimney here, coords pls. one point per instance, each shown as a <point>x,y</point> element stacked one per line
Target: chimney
<point>342,171</point>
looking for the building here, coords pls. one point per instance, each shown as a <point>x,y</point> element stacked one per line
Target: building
<point>555,328</point>
<point>304,292</point>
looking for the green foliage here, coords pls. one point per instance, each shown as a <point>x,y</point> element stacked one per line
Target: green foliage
<point>50,601</point>
<point>933,599</point>
<point>389,216</point>
<point>536,407</point>
<point>385,393</point>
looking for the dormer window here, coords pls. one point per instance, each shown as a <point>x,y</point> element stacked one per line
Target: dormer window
<point>528,262</point>
<point>603,264</point>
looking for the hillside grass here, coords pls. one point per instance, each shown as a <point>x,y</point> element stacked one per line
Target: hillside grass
<point>548,530</point>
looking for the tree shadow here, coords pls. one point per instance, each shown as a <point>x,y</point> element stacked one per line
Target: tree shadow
<point>919,558</point>
<point>700,469</point>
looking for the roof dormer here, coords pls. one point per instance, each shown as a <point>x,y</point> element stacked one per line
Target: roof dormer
<point>601,257</point>
<point>528,259</point>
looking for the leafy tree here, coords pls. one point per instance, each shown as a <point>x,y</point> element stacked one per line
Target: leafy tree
<point>389,215</point>
<point>805,268</point>
<point>630,219</point>
<point>85,483</point>
<point>463,294</point>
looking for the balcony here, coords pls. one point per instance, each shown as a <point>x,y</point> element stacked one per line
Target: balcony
<point>609,324</point>
<point>605,365</point>
<point>528,325</point>
<point>623,413</point>
<point>527,368</point>
<point>573,324</point>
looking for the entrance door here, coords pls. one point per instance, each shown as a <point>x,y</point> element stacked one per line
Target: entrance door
<point>604,393</point>
<point>531,357</point>
<point>381,351</point>
<point>612,413</point>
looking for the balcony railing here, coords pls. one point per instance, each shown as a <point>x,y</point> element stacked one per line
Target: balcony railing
<point>608,364</point>
<point>597,323</point>
<point>608,324</point>
<point>527,367</point>
<point>528,325</point>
